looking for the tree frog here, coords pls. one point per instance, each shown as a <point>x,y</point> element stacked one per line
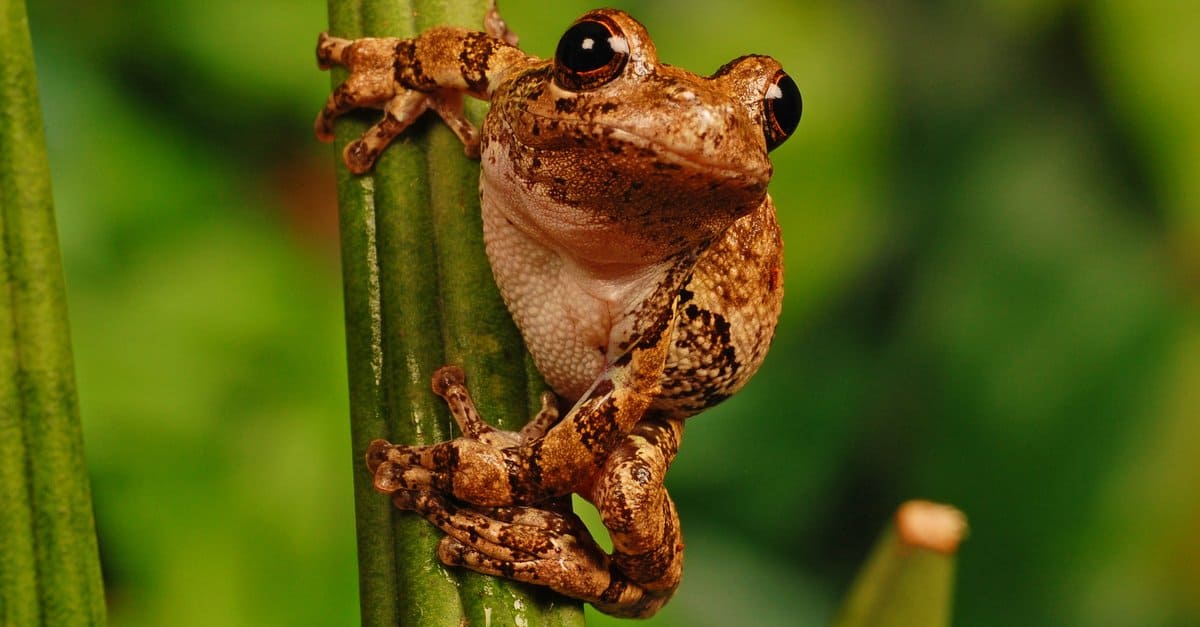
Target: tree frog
<point>628,226</point>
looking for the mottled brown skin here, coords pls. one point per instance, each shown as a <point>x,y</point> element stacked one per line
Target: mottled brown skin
<point>631,235</point>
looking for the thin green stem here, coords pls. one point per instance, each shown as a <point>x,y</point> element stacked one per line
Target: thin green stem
<point>50,570</point>
<point>419,294</point>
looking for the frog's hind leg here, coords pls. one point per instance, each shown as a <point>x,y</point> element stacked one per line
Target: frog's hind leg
<point>548,547</point>
<point>551,547</point>
<point>640,516</point>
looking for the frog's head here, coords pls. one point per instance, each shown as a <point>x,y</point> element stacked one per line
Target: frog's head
<point>610,130</point>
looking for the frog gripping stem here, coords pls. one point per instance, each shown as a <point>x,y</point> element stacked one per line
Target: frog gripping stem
<point>628,227</point>
<point>544,543</point>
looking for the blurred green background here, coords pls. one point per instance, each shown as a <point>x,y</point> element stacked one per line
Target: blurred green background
<point>992,214</point>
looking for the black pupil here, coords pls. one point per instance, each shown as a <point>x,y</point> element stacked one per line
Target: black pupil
<point>787,106</point>
<point>585,47</point>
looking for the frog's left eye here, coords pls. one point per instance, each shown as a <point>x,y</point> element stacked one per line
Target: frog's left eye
<point>590,54</point>
<point>782,107</point>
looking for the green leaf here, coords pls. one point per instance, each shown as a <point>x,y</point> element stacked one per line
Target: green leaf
<point>50,570</point>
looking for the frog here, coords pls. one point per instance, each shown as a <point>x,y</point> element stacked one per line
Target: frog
<point>629,229</point>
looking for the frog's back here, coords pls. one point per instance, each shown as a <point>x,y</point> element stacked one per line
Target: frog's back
<point>726,316</point>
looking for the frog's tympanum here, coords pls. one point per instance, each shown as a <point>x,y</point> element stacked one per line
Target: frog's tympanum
<point>627,221</point>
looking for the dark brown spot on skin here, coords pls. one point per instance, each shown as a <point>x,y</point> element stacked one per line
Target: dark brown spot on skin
<point>603,388</point>
<point>515,473</point>
<point>477,49</point>
<point>408,69</point>
<point>565,105</point>
<point>532,466</point>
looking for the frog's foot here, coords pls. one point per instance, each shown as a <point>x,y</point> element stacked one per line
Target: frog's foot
<point>449,382</point>
<point>374,64</point>
<point>536,546</point>
<point>469,467</point>
<point>549,546</point>
<point>484,491</point>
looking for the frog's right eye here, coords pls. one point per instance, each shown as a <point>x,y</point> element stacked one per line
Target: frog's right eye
<point>782,107</point>
<point>591,53</point>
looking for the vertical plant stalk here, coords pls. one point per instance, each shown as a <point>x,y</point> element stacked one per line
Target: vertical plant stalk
<point>49,562</point>
<point>419,294</point>
<point>909,577</point>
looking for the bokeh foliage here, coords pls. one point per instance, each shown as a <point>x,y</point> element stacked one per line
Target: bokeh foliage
<point>993,299</point>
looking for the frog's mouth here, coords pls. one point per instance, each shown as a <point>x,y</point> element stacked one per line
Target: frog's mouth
<point>692,159</point>
<point>547,134</point>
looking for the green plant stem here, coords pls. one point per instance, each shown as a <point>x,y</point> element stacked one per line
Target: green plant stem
<point>419,294</point>
<point>50,567</point>
<point>909,577</point>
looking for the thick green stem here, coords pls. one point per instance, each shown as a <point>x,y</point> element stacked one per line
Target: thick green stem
<point>909,577</point>
<point>419,294</point>
<point>49,562</point>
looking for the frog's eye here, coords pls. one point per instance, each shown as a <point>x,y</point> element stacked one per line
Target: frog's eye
<point>590,54</point>
<point>781,109</point>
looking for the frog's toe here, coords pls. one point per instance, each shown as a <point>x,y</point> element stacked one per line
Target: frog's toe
<point>323,128</point>
<point>377,454</point>
<point>450,383</point>
<point>391,477</point>
<point>359,156</point>
<point>447,377</point>
<point>589,579</point>
<point>331,50</point>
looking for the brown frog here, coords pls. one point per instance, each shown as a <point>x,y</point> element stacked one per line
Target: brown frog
<point>628,225</point>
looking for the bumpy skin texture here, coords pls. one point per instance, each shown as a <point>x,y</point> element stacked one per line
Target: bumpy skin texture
<point>630,232</point>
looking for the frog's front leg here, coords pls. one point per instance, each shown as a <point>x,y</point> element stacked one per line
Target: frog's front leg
<point>404,77</point>
<point>490,467</point>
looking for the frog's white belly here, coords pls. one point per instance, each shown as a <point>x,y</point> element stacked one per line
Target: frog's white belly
<point>565,329</point>
<point>564,276</point>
